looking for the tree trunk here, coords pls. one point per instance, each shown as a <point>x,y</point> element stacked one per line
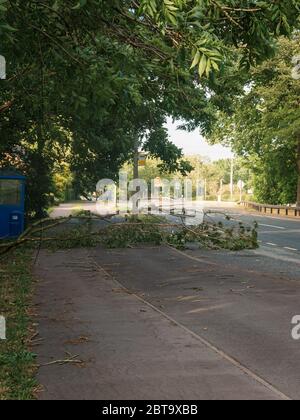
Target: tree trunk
<point>298,166</point>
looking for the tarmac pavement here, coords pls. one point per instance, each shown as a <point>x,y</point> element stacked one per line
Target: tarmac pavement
<point>101,341</point>
<point>156,323</point>
<point>232,300</point>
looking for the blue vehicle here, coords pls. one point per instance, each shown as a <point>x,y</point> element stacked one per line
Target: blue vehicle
<point>12,205</point>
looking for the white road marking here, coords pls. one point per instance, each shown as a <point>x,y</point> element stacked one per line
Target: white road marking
<point>283,219</point>
<point>272,226</point>
<point>271,244</point>
<point>290,249</point>
<point>276,256</point>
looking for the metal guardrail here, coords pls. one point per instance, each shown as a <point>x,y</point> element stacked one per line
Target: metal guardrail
<point>273,210</point>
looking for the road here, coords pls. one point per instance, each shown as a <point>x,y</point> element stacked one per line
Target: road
<point>279,237</point>
<point>119,346</point>
<point>241,303</point>
<point>194,324</point>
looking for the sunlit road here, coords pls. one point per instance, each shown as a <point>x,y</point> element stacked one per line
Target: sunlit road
<point>279,237</point>
<point>238,306</point>
<point>242,303</point>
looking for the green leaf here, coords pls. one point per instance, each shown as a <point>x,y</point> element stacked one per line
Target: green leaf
<point>3,7</point>
<point>196,60</point>
<point>208,67</point>
<point>7,27</point>
<point>80,5</point>
<point>202,65</point>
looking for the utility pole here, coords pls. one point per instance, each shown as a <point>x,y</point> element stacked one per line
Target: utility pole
<point>231,179</point>
<point>221,189</point>
<point>241,186</point>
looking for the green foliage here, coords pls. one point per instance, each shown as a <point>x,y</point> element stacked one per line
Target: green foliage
<point>130,235</point>
<point>155,230</point>
<point>265,127</point>
<point>203,169</point>
<point>209,25</point>
<point>87,80</point>
<point>211,236</point>
<point>80,237</point>
<point>159,147</point>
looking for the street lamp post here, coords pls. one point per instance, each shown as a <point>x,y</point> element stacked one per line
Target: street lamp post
<point>231,179</point>
<point>241,186</point>
<point>221,188</point>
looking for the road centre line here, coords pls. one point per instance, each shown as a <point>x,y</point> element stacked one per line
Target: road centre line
<point>285,247</point>
<point>272,226</point>
<point>270,217</point>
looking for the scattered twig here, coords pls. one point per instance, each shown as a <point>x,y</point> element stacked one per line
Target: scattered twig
<point>70,360</point>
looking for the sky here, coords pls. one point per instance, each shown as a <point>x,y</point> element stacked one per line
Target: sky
<point>194,144</point>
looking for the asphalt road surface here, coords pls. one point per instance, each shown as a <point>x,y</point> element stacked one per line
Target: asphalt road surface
<point>279,237</point>
<point>161,323</point>
<point>101,341</point>
<point>235,302</point>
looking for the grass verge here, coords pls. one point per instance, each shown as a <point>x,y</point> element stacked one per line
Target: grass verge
<point>17,362</point>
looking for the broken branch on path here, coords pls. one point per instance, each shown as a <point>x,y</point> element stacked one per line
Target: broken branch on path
<point>40,227</point>
<point>137,229</point>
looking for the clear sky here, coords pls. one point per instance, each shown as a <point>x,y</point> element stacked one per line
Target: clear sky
<point>194,144</point>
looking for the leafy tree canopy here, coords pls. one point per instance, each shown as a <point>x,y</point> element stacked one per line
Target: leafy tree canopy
<point>88,79</point>
<point>265,127</point>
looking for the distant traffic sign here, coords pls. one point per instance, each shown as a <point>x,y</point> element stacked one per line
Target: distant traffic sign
<point>241,185</point>
<point>142,159</point>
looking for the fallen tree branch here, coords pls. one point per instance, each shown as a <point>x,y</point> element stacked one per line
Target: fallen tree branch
<point>132,232</point>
